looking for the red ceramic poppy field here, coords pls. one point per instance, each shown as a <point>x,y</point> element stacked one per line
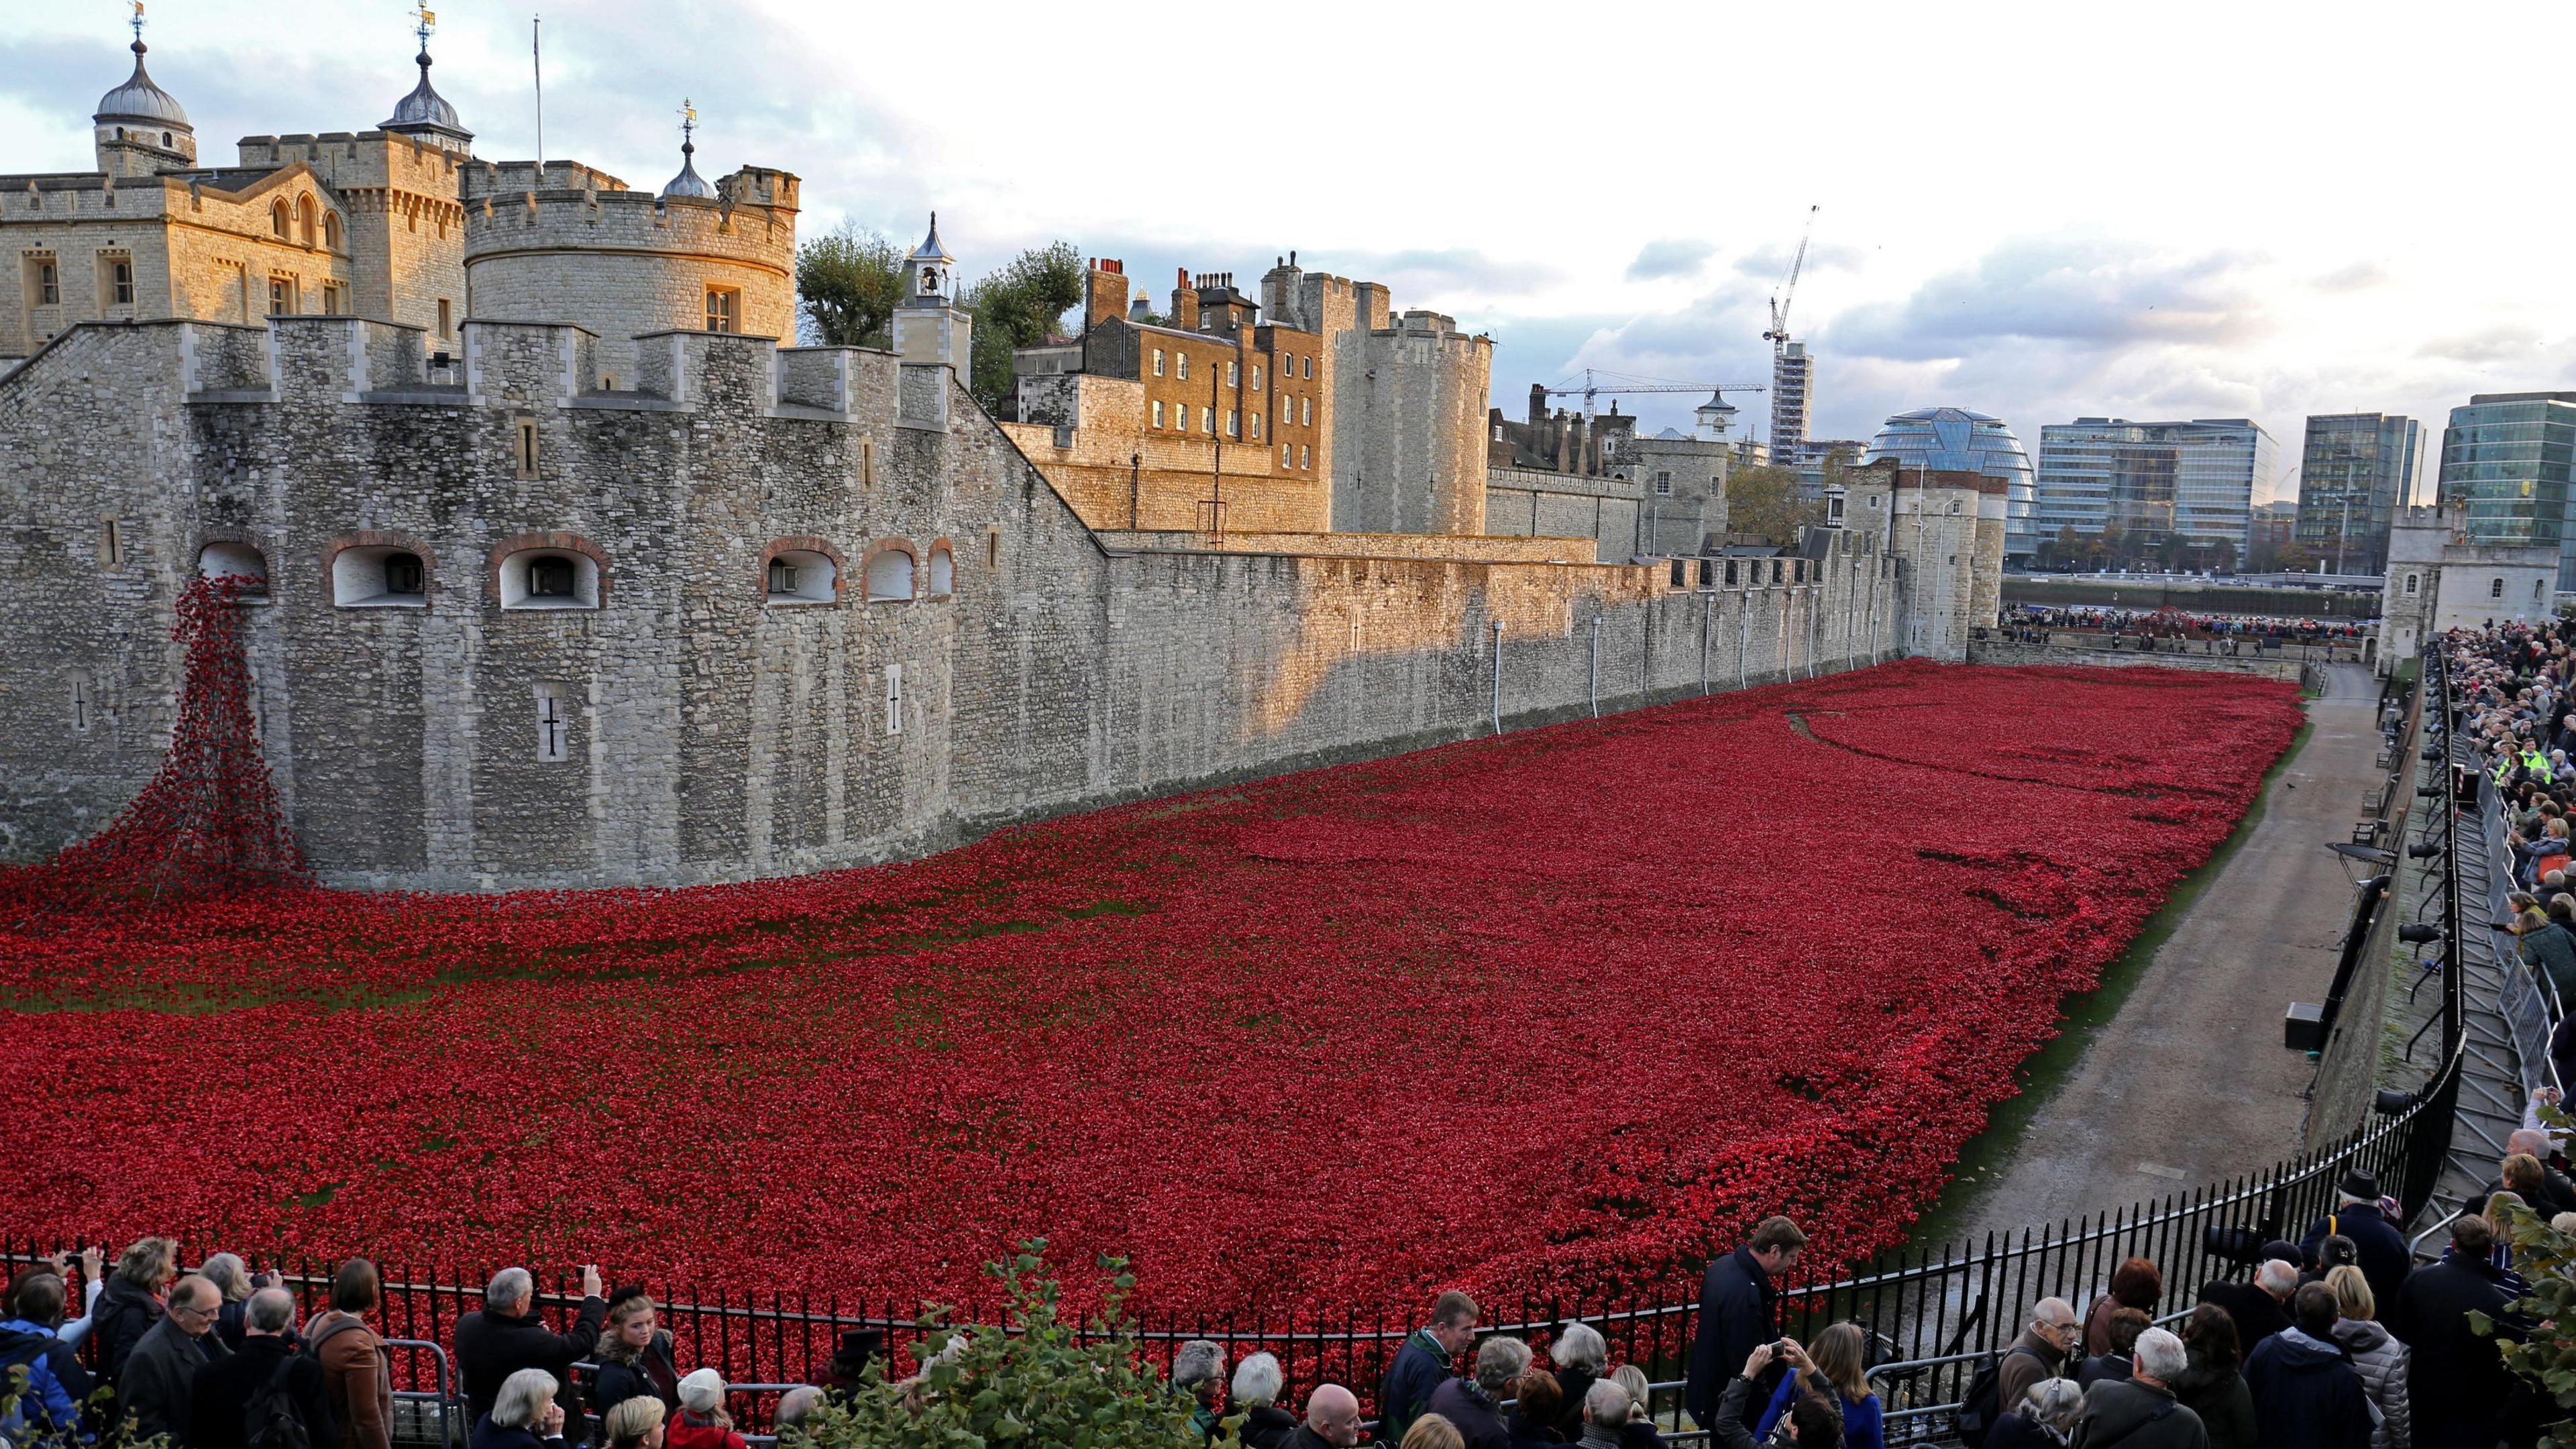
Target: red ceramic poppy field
<point>1564,1010</point>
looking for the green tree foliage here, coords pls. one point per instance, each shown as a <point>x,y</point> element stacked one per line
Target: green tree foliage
<point>847,283</point>
<point>1031,1384</point>
<point>1764,501</point>
<point>1018,306</point>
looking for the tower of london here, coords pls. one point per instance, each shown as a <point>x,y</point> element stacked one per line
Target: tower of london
<point>565,566</point>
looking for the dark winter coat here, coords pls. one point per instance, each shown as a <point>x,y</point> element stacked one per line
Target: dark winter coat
<point>2258,1314</point>
<point>2380,1250</point>
<point>1574,1383</point>
<point>217,1411</point>
<point>2307,1395</point>
<point>1267,1427</point>
<point>123,1315</point>
<point>2134,1416</point>
<point>2102,1366</point>
<point>1421,1366</point>
<point>158,1391</point>
<point>2012,1431</point>
<point>653,1372</point>
<point>2220,1398</point>
<point>1736,1312</point>
<point>2453,1376</point>
<point>1526,1435</point>
<point>488,1435</point>
<point>1637,1433</point>
<point>1472,1411</point>
<point>492,1346</point>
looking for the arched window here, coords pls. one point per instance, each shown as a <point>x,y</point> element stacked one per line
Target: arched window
<point>331,230</point>
<point>549,578</point>
<point>277,218</point>
<point>165,138</point>
<point>2495,590</point>
<point>304,220</point>
<point>241,561</point>
<point>802,576</point>
<point>379,577</point>
<point>2410,583</point>
<point>943,572</point>
<point>890,576</point>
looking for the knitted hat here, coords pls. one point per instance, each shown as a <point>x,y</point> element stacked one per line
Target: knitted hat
<point>702,1391</point>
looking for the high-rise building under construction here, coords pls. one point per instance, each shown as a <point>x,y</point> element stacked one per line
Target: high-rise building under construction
<point>1789,405</point>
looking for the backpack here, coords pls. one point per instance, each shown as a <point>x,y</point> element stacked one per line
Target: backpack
<point>1979,1410</point>
<point>269,1416</point>
<point>23,1409</point>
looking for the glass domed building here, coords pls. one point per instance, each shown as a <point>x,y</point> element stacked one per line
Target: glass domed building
<point>1960,441</point>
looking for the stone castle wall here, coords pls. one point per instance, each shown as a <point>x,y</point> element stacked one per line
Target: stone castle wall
<point>715,733</point>
<point>1529,502</point>
<point>1410,456</point>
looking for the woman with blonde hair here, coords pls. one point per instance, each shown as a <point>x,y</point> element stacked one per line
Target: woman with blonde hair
<point>2376,1353</point>
<point>132,1303</point>
<point>1640,1431</point>
<point>634,1423</point>
<point>524,1414</point>
<point>634,1356</point>
<point>1432,1431</point>
<point>1839,1357</point>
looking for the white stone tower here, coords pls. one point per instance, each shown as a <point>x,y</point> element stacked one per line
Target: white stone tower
<point>929,330</point>
<point>1715,416</point>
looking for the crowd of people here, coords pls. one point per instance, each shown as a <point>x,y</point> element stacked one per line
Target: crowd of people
<point>2518,714</point>
<point>217,1359</point>
<point>2177,630</point>
<point>2338,1341</point>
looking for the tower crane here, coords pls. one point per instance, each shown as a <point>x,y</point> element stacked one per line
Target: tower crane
<point>1778,336</point>
<point>1592,389</point>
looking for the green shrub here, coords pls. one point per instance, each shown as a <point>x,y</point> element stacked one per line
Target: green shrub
<point>1029,1384</point>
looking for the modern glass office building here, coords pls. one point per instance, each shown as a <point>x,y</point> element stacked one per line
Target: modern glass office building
<point>2509,463</point>
<point>2150,481</point>
<point>1959,441</point>
<point>2355,471</point>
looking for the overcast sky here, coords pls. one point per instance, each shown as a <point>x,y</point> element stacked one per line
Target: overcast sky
<point>2041,211</point>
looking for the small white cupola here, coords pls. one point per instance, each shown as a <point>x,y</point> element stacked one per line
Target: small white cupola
<point>1715,416</point>
<point>930,273</point>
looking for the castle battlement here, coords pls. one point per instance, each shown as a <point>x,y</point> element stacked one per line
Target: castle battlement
<point>570,243</point>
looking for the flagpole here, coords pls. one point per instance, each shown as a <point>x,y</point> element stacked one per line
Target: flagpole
<point>537,62</point>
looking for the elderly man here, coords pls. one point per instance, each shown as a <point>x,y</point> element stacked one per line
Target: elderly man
<point>1606,1407</point>
<point>1198,1374</point>
<point>507,1335</point>
<point>2457,1384</point>
<point>2380,1250</point>
<point>2259,1307</point>
<point>1332,1420</point>
<point>158,1391</point>
<point>233,1395</point>
<point>1474,1406</point>
<point>2140,1411</point>
<point>2045,1350</point>
<point>1737,1310</point>
<point>1422,1365</point>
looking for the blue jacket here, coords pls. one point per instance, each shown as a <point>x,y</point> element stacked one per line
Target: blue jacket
<point>1735,1313</point>
<point>2307,1394</point>
<point>1419,1368</point>
<point>2384,1258</point>
<point>46,1399</point>
<point>1864,1424</point>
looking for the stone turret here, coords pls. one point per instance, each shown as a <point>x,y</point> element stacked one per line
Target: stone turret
<point>563,242</point>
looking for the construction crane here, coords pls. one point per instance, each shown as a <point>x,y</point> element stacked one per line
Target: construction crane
<point>1778,336</point>
<point>1592,389</point>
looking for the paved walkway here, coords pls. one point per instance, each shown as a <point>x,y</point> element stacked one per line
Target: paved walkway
<point>2190,1082</point>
